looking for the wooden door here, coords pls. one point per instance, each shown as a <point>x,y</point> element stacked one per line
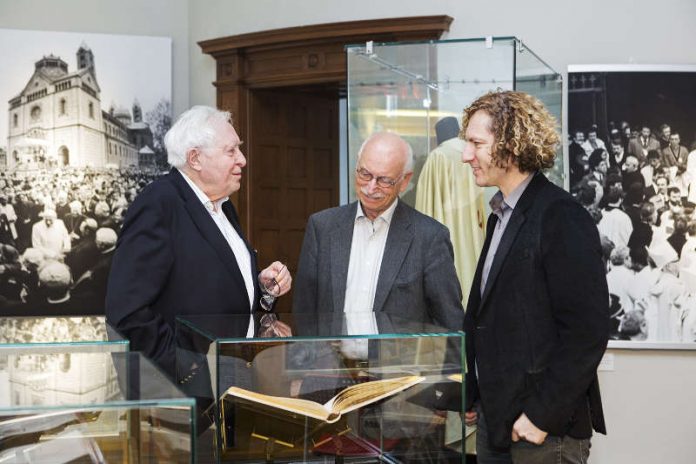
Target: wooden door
<point>293,167</point>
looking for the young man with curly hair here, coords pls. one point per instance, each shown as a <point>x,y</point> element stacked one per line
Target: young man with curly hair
<point>537,319</point>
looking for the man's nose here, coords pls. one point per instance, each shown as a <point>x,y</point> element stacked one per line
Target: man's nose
<point>467,153</point>
<point>372,185</point>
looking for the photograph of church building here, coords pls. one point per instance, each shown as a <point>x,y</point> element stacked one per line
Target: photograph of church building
<point>57,120</point>
<point>80,137</point>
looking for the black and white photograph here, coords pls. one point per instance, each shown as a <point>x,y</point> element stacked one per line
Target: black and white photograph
<point>632,163</point>
<point>81,134</point>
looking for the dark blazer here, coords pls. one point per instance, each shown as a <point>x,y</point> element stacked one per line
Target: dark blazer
<point>172,260</point>
<point>636,148</point>
<point>417,279</point>
<point>537,334</point>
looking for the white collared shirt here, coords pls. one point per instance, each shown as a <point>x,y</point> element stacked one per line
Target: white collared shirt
<point>237,245</point>
<point>366,252</point>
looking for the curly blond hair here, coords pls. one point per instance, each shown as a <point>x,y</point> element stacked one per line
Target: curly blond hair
<point>524,130</point>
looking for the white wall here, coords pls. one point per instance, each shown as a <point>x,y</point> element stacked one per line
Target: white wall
<point>168,18</point>
<point>560,32</point>
<point>650,407</point>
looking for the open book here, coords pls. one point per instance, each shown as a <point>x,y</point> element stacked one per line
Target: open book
<point>350,399</point>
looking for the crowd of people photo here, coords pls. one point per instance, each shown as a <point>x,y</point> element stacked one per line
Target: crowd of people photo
<point>640,188</point>
<point>58,232</point>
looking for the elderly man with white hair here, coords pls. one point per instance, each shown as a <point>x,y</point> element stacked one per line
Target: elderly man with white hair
<point>50,235</point>
<point>55,280</point>
<point>181,250</point>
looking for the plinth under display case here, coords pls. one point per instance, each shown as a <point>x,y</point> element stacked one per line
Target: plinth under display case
<point>92,407</point>
<point>390,393</point>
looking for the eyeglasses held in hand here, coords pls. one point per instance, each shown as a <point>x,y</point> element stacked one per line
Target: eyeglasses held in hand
<point>269,292</point>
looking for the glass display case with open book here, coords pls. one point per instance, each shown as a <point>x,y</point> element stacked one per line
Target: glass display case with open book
<point>66,334</point>
<point>71,406</point>
<point>394,393</point>
<point>409,88</point>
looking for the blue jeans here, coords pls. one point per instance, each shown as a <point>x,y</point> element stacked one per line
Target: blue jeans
<point>554,450</point>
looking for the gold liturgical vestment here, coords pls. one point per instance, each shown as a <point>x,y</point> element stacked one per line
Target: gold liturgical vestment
<point>447,192</point>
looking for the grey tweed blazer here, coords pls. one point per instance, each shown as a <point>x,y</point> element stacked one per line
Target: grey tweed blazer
<point>417,279</point>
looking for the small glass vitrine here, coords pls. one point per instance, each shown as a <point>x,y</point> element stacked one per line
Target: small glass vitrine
<point>361,388</point>
<point>419,91</point>
<point>68,406</point>
<point>408,88</point>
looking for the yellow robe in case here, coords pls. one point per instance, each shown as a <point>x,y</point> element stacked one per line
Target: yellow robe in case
<point>447,192</point>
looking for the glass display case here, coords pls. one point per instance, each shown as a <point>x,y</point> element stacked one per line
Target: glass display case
<point>419,91</point>
<point>67,334</point>
<point>65,406</point>
<point>408,88</point>
<point>393,393</point>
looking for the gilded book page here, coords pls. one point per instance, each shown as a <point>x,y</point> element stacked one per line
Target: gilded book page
<point>352,398</point>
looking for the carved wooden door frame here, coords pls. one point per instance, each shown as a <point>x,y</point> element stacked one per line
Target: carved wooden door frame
<point>305,55</point>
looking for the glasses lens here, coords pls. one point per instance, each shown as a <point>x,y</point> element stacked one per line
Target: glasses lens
<point>272,287</point>
<point>364,175</point>
<point>266,302</point>
<point>385,182</point>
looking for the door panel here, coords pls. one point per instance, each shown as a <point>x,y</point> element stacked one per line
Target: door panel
<point>293,167</point>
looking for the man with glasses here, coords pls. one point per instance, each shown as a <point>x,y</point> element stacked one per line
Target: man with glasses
<point>181,249</point>
<point>378,254</point>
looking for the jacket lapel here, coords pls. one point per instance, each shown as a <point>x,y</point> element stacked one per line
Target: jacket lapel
<point>207,227</point>
<point>341,240</point>
<point>474,301</point>
<point>398,242</point>
<point>513,227</point>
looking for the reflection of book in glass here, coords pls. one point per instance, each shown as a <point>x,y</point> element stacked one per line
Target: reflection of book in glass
<point>345,443</point>
<point>350,399</point>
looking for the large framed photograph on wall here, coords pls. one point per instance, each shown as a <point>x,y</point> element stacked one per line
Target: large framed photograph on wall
<point>81,134</point>
<point>632,164</point>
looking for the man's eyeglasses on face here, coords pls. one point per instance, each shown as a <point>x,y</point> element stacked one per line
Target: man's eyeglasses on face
<point>383,181</point>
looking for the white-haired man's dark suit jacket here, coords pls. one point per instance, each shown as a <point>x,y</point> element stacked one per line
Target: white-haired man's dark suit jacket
<point>172,260</point>
<point>417,279</point>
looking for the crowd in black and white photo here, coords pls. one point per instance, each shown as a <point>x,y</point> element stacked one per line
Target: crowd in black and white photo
<point>58,232</point>
<point>640,187</point>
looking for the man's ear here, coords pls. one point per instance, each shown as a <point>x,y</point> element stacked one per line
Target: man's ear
<point>193,159</point>
<point>405,181</point>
